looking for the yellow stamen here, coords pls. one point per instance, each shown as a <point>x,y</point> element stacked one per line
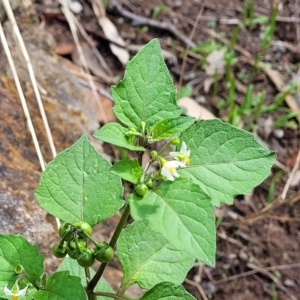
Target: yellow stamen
<point>171,170</point>
<point>187,160</point>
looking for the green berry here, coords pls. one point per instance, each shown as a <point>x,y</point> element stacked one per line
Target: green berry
<point>64,229</point>
<point>59,251</point>
<point>73,253</point>
<point>86,258</point>
<point>84,226</point>
<point>104,253</point>
<point>141,189</point>
<point>175,141</point>
<point>81,244</point>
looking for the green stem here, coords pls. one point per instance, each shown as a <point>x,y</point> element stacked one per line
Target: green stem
<point>91,296</point>
<point>120,226</point>
<point>28,278</point>
<point>94,241</point>
<point>161,151</point>
<point>87,274</point>
<point>76,242</point>
<point>90,287</point>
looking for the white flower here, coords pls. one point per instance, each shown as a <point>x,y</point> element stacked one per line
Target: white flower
<point>168,169</point>
<point>183,155</point>
<point>15,292</point>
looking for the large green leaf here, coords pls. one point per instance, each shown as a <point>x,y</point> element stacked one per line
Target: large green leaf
<point>146,93</point>
<point>115,134</point>
<point>74,269</point>
<point>61,286</point>
<point>183,214</point>
<point>148,258</point>
<point>77,185</point>
<point>170,127</point>
<point>167,291</point>
<point>129,170</point>
<point>225,161</point>
<point>71,265</point>
<point>14,251</point>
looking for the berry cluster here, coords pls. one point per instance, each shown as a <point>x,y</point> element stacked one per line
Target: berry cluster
<point>74,243</point>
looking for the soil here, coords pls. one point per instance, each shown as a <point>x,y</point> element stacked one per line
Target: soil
<point>258,255</point>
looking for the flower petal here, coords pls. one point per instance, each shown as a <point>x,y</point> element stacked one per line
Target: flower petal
<point>175,174</point>
<point>23,291</point>
<point>7,291</point>
<point>183,148</point>
<point>166,173</point>
<point>176,164</point>
<point>174,154</point>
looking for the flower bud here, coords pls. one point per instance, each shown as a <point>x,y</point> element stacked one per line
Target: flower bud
<point>175,141</point>
<point>141,189</point>
<point>153,154</point>
<point>19,269</point>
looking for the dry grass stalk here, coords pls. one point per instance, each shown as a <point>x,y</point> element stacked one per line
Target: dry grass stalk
<point>70,18</point>
<point>22,98</point>
<point>16,30</point>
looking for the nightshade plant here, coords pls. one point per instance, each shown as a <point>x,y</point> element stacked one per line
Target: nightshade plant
<point>199,165</point>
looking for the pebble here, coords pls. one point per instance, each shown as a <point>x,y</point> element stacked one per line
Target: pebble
<point>289,283</point>
<point>197,278</point>
<point>243,256</point>
<point>232,256</point>
<point>209,288</point>
<point>279,133</point>
<point>75,7</point>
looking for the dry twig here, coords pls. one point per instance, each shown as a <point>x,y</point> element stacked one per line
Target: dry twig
<point>264,212</point>
<point>198,286</point>
<point>139,20</point>
<point>70,18</point>
<point>266,272</point>
<point>187,47</point>
<point>291,176</point>
<point>254,271</point>
<point>95,50</point>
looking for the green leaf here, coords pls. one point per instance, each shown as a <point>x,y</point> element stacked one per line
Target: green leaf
<point>183,214</point>
<point>225,161</point>
<point>71,265</point>
<point>74,269</point>
<point>146,93</point>
<point>129,170</point>
<point>148,258</point>
<point>15,250</point>
<point>61,286</point>
<point>167,291</point>
<point>115,134</point>
<point>170,127</point>
<point>77,185</point>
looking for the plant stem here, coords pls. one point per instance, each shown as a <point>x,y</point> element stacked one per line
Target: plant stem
<point>120,226</point>
<point>87,274</point>
<point>164,147</point>
<point>91,295</point>
<point>90,287</point>
<point>29,279</point>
